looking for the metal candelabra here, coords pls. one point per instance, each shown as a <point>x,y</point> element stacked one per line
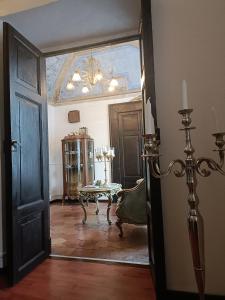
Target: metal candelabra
<point>105,154</point>
<point>191,167</point>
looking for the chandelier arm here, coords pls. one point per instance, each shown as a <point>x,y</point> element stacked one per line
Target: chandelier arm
<point>177,172</point>
<point>211,164</point>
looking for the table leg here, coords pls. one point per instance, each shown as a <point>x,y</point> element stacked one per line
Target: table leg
<point>85,213</point>
<point>97,206</point>
<point>108,209</point>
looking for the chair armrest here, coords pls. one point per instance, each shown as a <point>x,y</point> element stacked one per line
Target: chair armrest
<point>124,192</point>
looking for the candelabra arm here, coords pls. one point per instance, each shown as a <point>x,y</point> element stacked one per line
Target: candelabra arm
<point>152,154</point>
<point>156,172</point>
<point>211,164</point>
<point>220,143</point>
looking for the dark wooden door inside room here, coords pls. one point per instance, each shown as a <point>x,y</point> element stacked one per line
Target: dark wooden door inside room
<point>126,136</point>
<point>26,155</point>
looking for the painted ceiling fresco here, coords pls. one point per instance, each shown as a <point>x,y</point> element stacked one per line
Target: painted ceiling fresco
<point>120,61</point>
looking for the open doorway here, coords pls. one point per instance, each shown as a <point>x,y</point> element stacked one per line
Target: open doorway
<point>95,128</point>
<point>27,218</point>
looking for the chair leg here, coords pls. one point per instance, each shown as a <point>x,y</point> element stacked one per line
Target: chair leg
<point>119,225</point>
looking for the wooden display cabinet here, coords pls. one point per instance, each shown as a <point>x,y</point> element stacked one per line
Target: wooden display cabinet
<point>78,164</point>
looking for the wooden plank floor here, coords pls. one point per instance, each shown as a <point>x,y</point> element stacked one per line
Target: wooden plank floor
<point>76,280</point>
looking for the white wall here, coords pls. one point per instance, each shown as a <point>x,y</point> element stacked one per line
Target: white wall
<point>189,43</point>
<point>1,137</point>
<point>93,115</point>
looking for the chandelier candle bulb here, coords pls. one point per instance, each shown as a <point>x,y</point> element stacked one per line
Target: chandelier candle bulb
<point>111,88</point>
<point>114,82</point>
<point>76,76</point>
<point>98,76</point>
<point>70,86</point>
<point>184,95</point>
<point>85,90</point>
<point>215,118</point>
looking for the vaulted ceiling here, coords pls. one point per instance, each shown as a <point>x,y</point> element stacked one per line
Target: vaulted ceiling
<point>76,22</point>
<point>121,62</point>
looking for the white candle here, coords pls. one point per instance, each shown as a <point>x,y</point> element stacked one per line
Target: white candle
<point>215,119</point>
<point>149,120</point>
<point>184,95</point>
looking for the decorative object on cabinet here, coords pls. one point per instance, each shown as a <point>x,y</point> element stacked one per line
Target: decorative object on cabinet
<point>78,164</point>
<point>83,130</point>
<point>94,192</point>
<point>131,206</point>
<point>74,116</point>
<point>105,154</point>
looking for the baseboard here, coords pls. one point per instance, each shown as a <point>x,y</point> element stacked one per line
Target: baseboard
<point>178,295</point>
<point>55,197</point>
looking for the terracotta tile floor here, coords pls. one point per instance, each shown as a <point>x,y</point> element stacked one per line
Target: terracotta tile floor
<point>95,239</point>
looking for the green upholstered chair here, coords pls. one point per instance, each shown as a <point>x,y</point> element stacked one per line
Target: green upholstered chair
<point>131,206</point>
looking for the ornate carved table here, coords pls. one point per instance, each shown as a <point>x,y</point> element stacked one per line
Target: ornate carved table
<point>94,193</point>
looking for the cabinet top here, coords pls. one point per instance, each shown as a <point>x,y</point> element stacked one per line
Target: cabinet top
<point>72,137</point>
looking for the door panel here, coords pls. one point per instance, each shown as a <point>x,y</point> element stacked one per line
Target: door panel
<point>131,149</point>
<point>26,152</point>
<point>126,137</point>
<point>27,66</point>
<point>30,159</point>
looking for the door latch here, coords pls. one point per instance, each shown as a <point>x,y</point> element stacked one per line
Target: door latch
<point>14,145</point>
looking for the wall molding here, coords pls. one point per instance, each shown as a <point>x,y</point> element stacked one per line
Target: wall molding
<point>178,295</point>
<point>127,94</point>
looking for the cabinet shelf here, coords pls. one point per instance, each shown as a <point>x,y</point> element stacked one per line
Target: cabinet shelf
<point>71,152</point>
<point>71,167</point>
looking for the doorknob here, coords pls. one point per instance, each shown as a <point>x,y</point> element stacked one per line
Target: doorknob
<point>14,145</point>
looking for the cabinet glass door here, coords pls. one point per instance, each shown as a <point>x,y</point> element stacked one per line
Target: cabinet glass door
<point>90,161</point>
<point>72,166</point>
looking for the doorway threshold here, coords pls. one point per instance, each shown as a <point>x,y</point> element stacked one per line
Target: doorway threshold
<point>100,260</point>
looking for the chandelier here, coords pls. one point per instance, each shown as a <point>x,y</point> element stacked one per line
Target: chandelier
<point>90,76</point>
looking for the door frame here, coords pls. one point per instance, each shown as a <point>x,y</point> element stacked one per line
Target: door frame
<point>157,212</point>
<point>155,206</point>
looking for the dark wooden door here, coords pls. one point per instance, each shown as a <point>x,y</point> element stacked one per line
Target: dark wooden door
<point>126,137</point>
<point>26,153</point>
<point>154,203</point>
